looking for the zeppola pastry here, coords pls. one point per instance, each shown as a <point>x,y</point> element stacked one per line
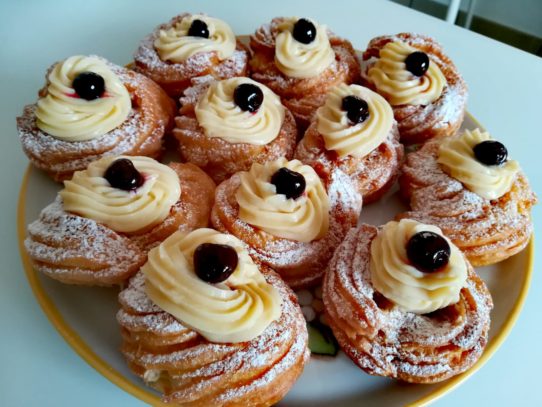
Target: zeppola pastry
<point>206,326</point>
<point>403,302</point>
<point>100,227</point>
<point>291,220</point>
<point>355,131</point>
<point>301,60</point>
<point>188,47</point>
<point>467,186</point>
<point>227,125</point>
<point>89,109</point>
<point>422,84</point>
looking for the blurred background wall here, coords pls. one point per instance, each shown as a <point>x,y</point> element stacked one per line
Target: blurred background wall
<point>514,22</point>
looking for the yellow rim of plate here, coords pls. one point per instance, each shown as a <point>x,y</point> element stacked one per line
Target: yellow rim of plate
<point>104,368</point>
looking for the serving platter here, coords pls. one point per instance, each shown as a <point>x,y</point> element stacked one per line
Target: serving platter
<point>85,317</point>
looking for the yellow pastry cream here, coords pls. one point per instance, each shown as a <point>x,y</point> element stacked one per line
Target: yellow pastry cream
<point>355,139</point>
<point>235,310</point>
<point>399,281</point>
<point>219,116</point>
<point>299,60</point>
<point>66,116</point>
<point>456,157</point>
<point>90,195</point>
<point>399,86</point>
<point>176,45</point>
<point>303,219</point>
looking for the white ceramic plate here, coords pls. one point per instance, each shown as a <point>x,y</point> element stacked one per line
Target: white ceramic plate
<point>85,317</point>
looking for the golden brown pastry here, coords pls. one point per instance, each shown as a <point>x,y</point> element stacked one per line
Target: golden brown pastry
<point>100,227</point>
<point>90,108</point>
<point>481,201</point>
<point>422,84</point>
<point>230,337</point>
<point>355,132</point>
<point>403,302</point>
<point>187,47</point>
<point>226,126</point>
<point>301,60</point>
<point>291,220</point>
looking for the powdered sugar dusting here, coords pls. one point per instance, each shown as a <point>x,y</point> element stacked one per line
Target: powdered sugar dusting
<point>196,370</point>
<point>78,250</point>
<point>486,231</point>
<point>299,263</point>
<point>383,339</point>
<point>420,122</point>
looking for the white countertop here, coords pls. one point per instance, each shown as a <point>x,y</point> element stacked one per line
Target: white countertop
<point>505,89</point>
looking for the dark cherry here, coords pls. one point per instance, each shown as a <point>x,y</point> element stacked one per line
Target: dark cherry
<point>490,152</point>
<point>289,183</point>
<point>417,63</point>
<point>198,28</point>
<point>357,109</point>
<point>122,174</point>
<point>89,85</point>
<point>248,97</point>
<point>214,263</point>
<point>304,31</point>
<point>428,252</point>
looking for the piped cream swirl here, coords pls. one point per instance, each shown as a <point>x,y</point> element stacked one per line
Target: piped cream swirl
<point>457,159</point>
<point>90,195</point>
<point>397,84</point>
<point>175,45</point>
<point>220,117</point>
<point>303,219</point>
<point>359,139</point>
<point>66,116</point>
<point>299,60</point>
<point>400,282</point>
<point>236,310</point>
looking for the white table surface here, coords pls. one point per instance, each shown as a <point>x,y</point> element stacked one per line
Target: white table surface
<point>505,91</point>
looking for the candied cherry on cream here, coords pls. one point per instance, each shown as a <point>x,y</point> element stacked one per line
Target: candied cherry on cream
<point>304,31</point>
<point>123,175</point>
<point>198,28</point>
<point>428,251</point>
<point>357,109</point>
<point>417,63</point>
<point>490,152</point>
<point>248,97</point>
<point>289,183</point>
<point>89,85</point>
<point>214,263</point>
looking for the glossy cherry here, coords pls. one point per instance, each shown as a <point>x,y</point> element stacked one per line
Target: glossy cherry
<point>428,251</point>
<point>198,28</point>
<point>417,63</point>
<point>357,109</point>
<point>123,175</point>
<point>304,31</point>
<point>214,263</point>
<point>248,97</point>
<point>89,85</point>
<point>289,183</point>
<point>490,152</point>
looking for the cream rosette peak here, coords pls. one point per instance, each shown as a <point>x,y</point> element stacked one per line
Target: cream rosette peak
<point>343,136</point>
<point>399,281</point>
<point>175,45</point>
<point>236,310</point>
<point>303,219</point>
<point>220,117</point>
<point>399,86</point>
<point>299,60</point>
<point>457,159</point>
<point>64,115</point>
<point>90,195</point>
